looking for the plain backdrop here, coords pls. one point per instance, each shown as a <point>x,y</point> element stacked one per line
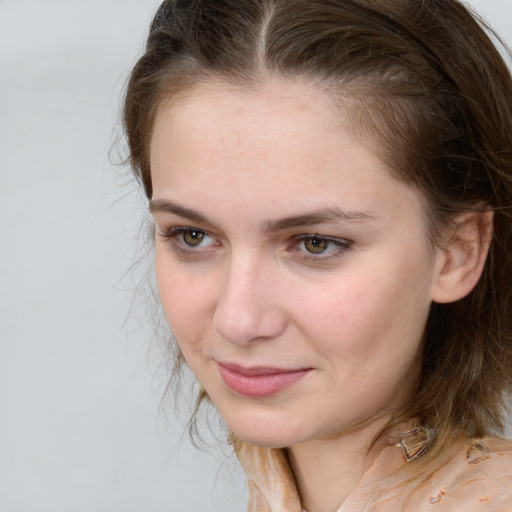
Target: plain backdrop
<point>80,423</point>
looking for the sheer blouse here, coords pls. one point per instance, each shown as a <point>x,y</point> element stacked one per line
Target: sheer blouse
<point>474,475</point>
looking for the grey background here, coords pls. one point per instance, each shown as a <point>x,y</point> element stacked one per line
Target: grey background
<point>80,425</point>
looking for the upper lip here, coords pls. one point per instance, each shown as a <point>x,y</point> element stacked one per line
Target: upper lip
<point>259,370</point>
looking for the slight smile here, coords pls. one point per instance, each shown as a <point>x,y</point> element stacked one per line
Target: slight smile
<point>259,382</point>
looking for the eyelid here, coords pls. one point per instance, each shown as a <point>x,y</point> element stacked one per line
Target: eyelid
<point>176,230</point>
<point>333,239</point>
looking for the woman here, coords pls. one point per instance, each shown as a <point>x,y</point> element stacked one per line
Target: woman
<point>331,184</point>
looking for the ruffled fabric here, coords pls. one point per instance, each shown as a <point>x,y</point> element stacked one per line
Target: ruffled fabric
<point>474,476</point>
<point>271,483</point>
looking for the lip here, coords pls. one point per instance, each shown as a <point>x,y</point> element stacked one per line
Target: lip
<point>259,381</point>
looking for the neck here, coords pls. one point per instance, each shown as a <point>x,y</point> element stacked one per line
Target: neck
<point>327,470</point>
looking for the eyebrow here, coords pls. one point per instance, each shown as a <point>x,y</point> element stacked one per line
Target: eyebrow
<point>325,215</point>
<point>165,206</point>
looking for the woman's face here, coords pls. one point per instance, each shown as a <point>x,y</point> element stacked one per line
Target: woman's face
<point>293,269</point>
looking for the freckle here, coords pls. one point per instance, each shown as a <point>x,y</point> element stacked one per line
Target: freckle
<point>485,499</point>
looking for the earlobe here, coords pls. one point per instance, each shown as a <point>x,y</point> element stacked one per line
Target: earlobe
<point>461,259</point>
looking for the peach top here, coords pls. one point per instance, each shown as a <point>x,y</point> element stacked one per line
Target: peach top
<point>475,476</point>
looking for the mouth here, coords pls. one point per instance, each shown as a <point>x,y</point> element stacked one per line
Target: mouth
<point>259,381</point>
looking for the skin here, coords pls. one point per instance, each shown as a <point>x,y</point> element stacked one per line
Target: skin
<point>228,165</point>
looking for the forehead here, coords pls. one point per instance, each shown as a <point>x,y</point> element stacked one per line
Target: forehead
<point>283,142</point>
<point>270,108</point>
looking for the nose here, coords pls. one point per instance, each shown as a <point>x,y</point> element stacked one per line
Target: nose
<point>248,307</point>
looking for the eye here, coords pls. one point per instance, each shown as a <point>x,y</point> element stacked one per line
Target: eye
<point>317,248</point>
<point>185,238</point>
<point>319,245</point>
<point>193,237</point>
<point>316,245</point>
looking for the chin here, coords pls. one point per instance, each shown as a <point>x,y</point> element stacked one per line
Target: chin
<point>264,433</point>
<point>264,441</point>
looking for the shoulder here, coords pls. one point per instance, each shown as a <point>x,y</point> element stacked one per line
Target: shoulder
<point>486,458</point>
<point>476,476</point>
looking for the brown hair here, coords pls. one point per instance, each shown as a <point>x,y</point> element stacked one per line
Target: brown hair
<point>420,81</point>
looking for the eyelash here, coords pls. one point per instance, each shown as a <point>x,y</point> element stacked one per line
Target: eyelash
<point>341,246</point>
<point>181,247</point>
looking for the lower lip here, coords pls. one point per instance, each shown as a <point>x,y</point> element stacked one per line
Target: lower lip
<point>260,385</point>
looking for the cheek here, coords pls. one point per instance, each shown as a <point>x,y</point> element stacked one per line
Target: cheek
<point>338,305</point>
<point>364,315</point>
<point>185,301</point>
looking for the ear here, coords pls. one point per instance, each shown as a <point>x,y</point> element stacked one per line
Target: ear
<point>461,259</point>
